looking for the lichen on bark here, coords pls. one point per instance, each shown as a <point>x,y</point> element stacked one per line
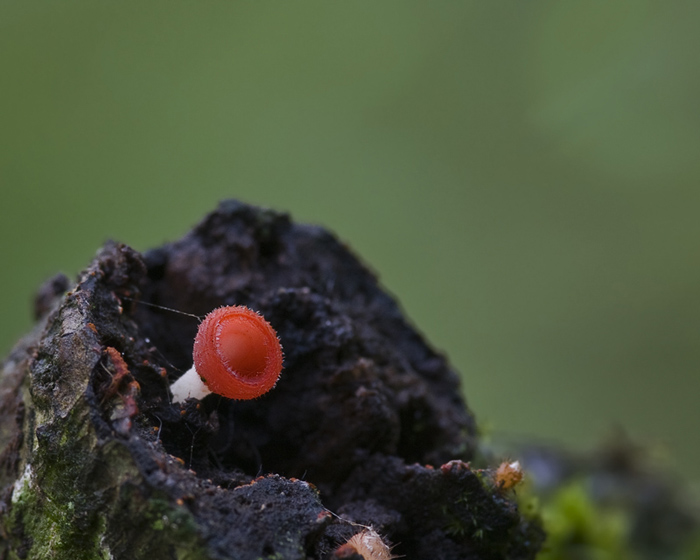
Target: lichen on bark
<point>367,420</point>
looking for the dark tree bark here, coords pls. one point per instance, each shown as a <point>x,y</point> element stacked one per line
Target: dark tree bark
<point>366,420</point>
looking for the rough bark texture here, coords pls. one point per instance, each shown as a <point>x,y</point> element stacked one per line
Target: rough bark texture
<point>98,463</point>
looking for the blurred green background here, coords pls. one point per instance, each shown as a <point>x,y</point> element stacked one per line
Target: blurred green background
<point>522,175</point>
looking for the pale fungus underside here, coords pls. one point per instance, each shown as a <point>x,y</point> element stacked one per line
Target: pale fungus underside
<point>98,463</point>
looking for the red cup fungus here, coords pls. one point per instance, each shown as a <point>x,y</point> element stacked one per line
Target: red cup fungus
<point>236,354</point>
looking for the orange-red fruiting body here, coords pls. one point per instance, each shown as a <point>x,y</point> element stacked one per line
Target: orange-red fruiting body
<point>237,353</point>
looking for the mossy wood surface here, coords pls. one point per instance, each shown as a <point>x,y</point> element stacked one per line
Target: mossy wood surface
<point>367,420</point>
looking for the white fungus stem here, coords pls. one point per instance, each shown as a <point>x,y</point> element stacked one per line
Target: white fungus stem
<point>189,386</point>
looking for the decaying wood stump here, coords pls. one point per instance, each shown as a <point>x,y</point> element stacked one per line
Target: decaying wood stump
<point>366,421</point>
